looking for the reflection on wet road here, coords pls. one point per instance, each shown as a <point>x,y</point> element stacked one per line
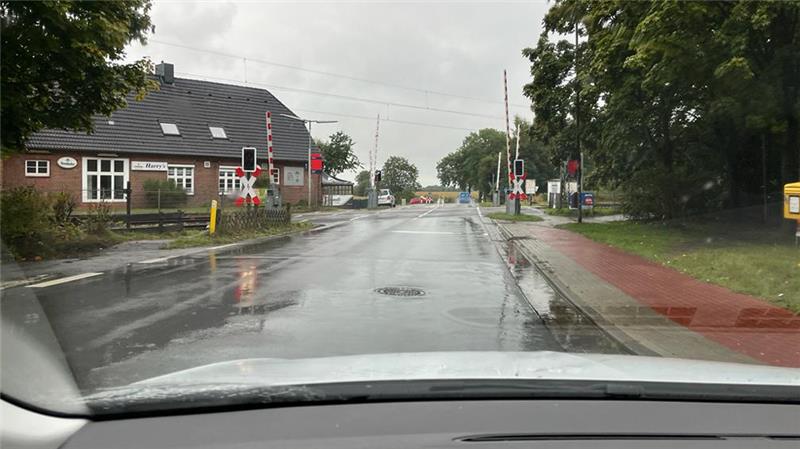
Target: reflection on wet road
<point>314,295</point>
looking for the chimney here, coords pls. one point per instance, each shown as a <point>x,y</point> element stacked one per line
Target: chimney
<point>166,73</point>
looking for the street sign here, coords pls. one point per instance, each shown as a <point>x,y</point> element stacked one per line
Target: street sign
<point>248,194</point>
<point>249,159</point>
<point>530,187</point>
<point>587,198</point>
<point>316,163</point>
<point>517,181</point>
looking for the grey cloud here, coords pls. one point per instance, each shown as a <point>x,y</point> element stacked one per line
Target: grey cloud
<point>459,48</point>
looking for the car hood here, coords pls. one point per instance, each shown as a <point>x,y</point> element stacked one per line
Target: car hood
<point>477,365</point>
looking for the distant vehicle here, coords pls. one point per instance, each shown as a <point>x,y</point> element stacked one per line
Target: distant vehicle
<point>385,198</point>
<point>463,198</point>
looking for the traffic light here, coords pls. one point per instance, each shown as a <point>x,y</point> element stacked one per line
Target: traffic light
<point>519,168</point>
<point>377,176</point>
<point>249,159</point>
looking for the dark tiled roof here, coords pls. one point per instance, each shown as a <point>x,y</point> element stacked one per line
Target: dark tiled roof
<point>193,105</point>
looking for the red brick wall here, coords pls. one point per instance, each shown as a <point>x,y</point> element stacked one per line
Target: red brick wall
<point>206,180</point>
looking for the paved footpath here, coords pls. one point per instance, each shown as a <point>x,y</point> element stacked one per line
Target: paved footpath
<point>656,310</point>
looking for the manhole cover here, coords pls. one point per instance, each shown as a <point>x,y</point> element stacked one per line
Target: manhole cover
<point>400,291</point>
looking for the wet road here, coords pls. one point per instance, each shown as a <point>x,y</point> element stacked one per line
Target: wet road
<point>316,294</point>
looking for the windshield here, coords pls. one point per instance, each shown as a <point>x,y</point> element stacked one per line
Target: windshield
<point>208,202</point>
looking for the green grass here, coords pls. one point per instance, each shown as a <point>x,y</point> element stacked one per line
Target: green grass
<point>201,238</point>
<point>510,217</point>
<point>594,212</point>
<point>755,260</point>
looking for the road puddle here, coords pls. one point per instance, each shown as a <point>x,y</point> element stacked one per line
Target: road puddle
<point>571,328</point>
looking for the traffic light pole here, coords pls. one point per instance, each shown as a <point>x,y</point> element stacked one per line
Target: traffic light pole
<point>578,128</point>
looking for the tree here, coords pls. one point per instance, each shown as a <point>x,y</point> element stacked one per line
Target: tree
<point>400,176</point>
<point>676,98</point>
<point>362,183</point>
<point>338,154</point>
<point>61,63</point>
<point>474,164</point>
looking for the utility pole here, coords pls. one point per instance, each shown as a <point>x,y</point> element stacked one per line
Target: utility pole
<point>372,196</point>
<point>764,177</point>
<point>578,127</point>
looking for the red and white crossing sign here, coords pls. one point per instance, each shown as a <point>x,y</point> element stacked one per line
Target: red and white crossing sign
<point>248,194</point>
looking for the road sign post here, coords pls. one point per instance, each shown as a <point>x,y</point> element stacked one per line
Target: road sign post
<point>247,175</point>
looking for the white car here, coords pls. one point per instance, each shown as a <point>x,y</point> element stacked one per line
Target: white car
<point>385,198</point>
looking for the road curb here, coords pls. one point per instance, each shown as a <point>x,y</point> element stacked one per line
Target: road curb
<point>221,249</point>
<point>591,313</point>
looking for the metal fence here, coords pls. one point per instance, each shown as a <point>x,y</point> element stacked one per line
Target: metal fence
<point>155,209</point>
<point>251,219</point>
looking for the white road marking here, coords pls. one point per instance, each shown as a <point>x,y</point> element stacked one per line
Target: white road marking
<point>159,260</point>
<point>479,212</point>
<point>425,232</point>
<point>223,246</point>
<point>426,213</point>
<point>357,217</point>
<point>64,280</point>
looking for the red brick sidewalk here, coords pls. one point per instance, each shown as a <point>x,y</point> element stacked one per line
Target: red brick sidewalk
<point>739,322</point>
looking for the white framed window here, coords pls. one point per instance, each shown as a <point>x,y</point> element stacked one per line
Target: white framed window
<point>183,175</point>
<point>104,179</point>
<point>228,181</point>
<point>217,132</point>
<point>170,129</point>
<point>37,168</point>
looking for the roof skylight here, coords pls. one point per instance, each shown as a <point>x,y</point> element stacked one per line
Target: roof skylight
<point>217,132</point>
<point>170,129</point>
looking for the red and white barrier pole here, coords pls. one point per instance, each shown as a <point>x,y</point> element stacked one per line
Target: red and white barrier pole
<point>271,171</point>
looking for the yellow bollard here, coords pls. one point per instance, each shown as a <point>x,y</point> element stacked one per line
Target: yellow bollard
<point>212,223</point>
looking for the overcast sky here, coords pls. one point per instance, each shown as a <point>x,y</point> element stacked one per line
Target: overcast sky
<point>458,48</point>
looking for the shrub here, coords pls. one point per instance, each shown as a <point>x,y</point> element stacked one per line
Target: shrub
<point>164,193</point>
<point>98,219</point>
<point>25,221</point>
<point>63,206</point>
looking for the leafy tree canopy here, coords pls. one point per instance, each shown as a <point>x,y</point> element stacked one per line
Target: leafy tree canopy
<point>400,176</point>
<point>338,154</point>
<point>362,183</point>
<point>61,63</point>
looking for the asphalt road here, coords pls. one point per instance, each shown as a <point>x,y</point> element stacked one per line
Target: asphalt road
<point>317,294</point>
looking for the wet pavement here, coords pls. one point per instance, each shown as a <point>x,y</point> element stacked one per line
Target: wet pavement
<point>345,290</point>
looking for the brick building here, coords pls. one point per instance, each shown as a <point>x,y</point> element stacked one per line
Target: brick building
<point>189,131</point>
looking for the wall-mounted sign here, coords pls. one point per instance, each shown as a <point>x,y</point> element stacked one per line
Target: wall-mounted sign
<point>292,176</point>
<point>148,166</point>
<point>67,162</point>
<point>206,164</point>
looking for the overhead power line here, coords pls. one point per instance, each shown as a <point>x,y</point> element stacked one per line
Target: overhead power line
<point>348,97</point>
<point>403,122</point>
<point>331,74</point>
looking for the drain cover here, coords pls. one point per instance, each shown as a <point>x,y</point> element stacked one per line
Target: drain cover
<point>400,291</point>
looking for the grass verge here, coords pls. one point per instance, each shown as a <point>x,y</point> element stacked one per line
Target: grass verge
<point>201,238</point>
<point>510,217</point>
<point>758,261</point>
<point>594,212</point>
